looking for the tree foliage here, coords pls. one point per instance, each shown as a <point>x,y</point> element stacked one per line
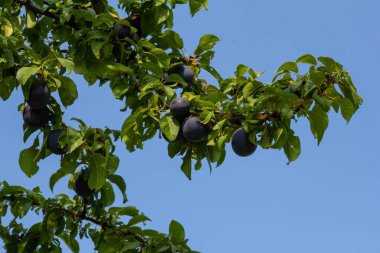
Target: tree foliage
<point>138,56</point>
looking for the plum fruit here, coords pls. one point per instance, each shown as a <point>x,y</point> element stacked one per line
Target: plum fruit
<point>53,142</point>
<point>135,21</point>
<point>39,96</point>
<point>36,118</point>
<point>81,187</point>
<point>123,31</point>
<point>180,108</point>
<point>193,130</point>
<point>183,71</point>
<point>241,144</point>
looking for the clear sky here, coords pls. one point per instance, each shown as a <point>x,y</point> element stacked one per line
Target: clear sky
<point>326,201</point>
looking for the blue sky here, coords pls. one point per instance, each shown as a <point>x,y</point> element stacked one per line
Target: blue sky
<point>326,201</point>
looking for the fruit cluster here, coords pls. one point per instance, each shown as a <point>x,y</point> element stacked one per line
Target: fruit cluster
<point>37,114</point>
<point>192,129</point>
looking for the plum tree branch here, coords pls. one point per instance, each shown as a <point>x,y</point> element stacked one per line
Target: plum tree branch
<point>36,10</point>
<point>76,216</point>
<point>28,5</point>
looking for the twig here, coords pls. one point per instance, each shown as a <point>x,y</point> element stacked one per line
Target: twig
<point>81,216</point>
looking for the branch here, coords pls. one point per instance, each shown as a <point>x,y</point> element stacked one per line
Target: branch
<point>31,7</point>
<point>81,216</point>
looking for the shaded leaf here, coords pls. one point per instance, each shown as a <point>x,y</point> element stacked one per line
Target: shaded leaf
<point>68,91</point>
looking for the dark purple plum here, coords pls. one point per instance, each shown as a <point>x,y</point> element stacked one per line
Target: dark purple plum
<point>39,96</point>
<point>185,72</point>
<point>36,118</point>
<point>81,187</point>
<point>193,130</point>
<point>135,21</point>
<point>123,31</point>
<point>53,142</point>
<point>180,108</point>
<point>241,144</point>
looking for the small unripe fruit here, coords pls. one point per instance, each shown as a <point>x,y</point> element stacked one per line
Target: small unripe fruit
<point>193,130</point>
<point>53,142</point>
<point>241,144</point>
<point>39,96</point>
<point>81,187</point>
<point>180,108</point>
<point>36,118</point>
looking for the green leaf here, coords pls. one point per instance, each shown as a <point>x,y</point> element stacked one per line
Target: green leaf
<point>206,116</point>
<point>319,122</point>
<point>170,39</point>
<point>96,46</point>
<point>69,163</point>
<point>55,178</point>
<point>70,242</point>
<point>98,171</point>
<point>30,19</point>
<point>6,26</point>
<point>107,194</point>
<point>308,59</point>
<point>25,73</point>
<point>121,68</point>
<point>68,91</point>
<point>7,85</point>
<point>196,5</point>
<point>126,211</point>
<point>119,181</point>
<point>69,65</point>
<point>207,42</point>
<point>308,88</point>
<point>159,2</point>
<point>162,14</point>
<point>347,109</point>
<point>71,138</point>
<point>176,232</point>
<point>248,90</point>
<point>162,57</point>
<point>317,77</point>
<point>292,147</point>
<point>324,102</point>
<point>137,219</point>
<point>280,138</point>
<point>27,160</point>
<point>169,126</point>
<point>110,245</point>
<point>288,66</point>
<point>241,70</point>
<point>329,63</point>
<point>173,149</point>
<point>186,164</point>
